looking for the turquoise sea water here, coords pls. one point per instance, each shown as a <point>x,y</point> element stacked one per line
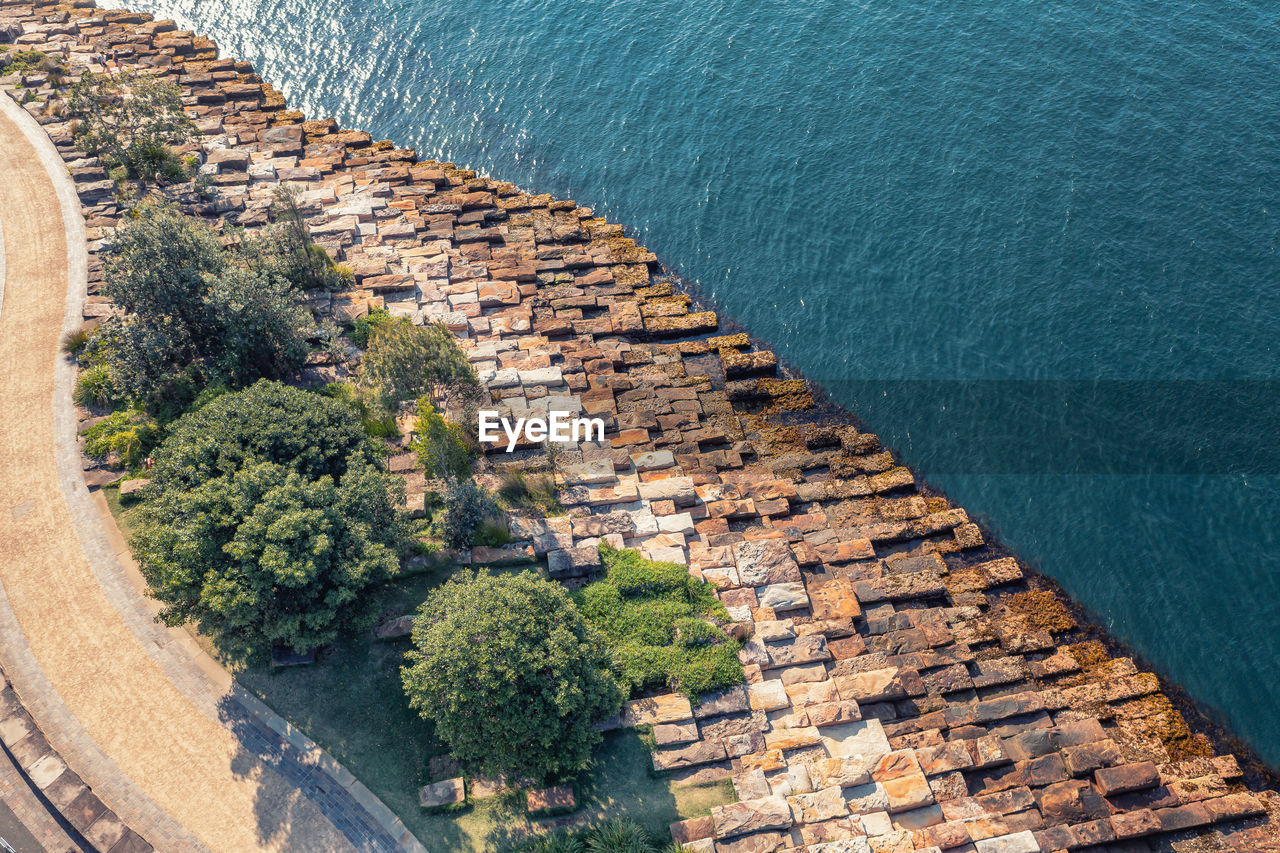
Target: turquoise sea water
<point>943,211</point>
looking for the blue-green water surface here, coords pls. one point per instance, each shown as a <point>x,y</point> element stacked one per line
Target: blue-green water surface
<point>943,190</point>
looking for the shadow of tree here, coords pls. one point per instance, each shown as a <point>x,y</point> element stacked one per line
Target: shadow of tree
<point>293,791</point>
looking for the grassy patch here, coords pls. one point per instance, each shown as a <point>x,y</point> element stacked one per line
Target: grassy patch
<point>352,704</point>
<point>125,510</point>
<point>662,624</point>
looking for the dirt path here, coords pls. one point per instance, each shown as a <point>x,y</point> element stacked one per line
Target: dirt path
<point>109,705</point>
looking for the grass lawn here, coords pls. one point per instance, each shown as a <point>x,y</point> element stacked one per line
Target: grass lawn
<point>351,703</point>
<point>123,514</point>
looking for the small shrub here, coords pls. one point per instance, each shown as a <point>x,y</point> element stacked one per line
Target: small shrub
<point>95,388</point>
<point>131,120</point>
<point>73,343</point>
<point>376,421</point>
<point>511,675</point>
<point>662,625</point>
<point>443,448</point>
<point>492,533</point>
<point>126,436</point>
<point>531,491</point>
<point>346,275</point>
<point>619,836</point>
<point>612,836</point>
<point>404,361</point>
<point>303,261</point>
<point>466,507</point>
<point>365,326</point>
<point>32,62</point>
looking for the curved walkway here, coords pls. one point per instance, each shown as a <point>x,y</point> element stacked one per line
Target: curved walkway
<point>180,758</point>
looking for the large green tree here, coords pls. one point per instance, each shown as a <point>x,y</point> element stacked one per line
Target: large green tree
<point>269,421</point>
<point>195,314</point>
<point>512,676</point>
<point>265,557</point>
<point>271,523</point>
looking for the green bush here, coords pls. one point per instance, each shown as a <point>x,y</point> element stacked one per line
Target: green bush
<point>661,625</point>
<point>531,491</point>
<point>127,436</point>
<point>376,421</point>
<point>512,676</point>
<point>286,250</point>
<point>444,449</point>
<point>365,326</point>
<point>264,557</point>
<point>466,508</point>
<point>195,313</point>
<point>492,533</point>
<point>404,361</point>
<point>73,343</point>
<point>95,388</point>
<point>130,119</point>
<point>266,422</point>
<point>31,62</point>
<point>612,836</point>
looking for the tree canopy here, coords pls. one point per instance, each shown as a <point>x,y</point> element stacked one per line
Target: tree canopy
<point>129,119</point>
<point>196,314</point>
<point>270,522</point>
<point>265,557</point>
<point>306,432</point>
<point>511,674</point>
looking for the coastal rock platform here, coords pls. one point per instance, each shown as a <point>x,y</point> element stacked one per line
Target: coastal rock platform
<point>910,686</point>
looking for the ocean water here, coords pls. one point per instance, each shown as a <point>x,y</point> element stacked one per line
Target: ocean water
<point>1032,244</point>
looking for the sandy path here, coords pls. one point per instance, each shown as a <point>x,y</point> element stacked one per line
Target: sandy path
<point>179,778</point>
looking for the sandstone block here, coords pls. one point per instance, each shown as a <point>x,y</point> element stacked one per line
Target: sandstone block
<point>821,805</point>
<point>555,798</point>
<point>731,701</point>
<point>671,708</point>
<point>701,752</point>
<point>573,562</point>
<point>1126,778</point>
<point>768,695</point>
<point>835,599</point>
<point>1021,842</point>
<point>670,734</point>
<point>783,596</point>
<point>856,740</point>
<point>765,561</point>
<point>444,793</point>
<point>748,816</point>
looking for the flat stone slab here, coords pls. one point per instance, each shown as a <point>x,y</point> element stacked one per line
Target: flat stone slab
<point>445,793</point>
<point>401,626</point>
<point>288,657</point>
<point>573,562</point>
<point>672,708</point>
<point>555,798</point>
<point>129,487</point>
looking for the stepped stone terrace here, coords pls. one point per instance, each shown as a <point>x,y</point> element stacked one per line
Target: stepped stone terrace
<point>909,685</point>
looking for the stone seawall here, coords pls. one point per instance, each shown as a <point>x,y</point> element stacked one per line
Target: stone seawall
<point>909,687</point>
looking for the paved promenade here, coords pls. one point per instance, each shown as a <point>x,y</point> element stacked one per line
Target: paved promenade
<point>113,698</point>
